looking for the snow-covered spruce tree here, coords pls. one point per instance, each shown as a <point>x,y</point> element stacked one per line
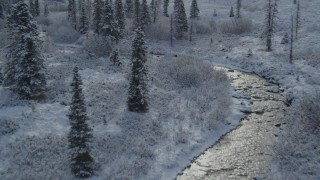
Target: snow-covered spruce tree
<point>129,8</point>
<point>32,8</point>
<point>270,22</point>
<point>297,19</point>
<point>238,8</point>
<point>36,8</point>
<point>97,16</point>
<point>46,9</point>
<point>119,16</point>
<point>194,10</point>
<point>80,133</point>
<point>114,58</point>
<point>137,97</point>
<point>136,14</point>
<point>83,21</point>
<point>72,13</point>
<point>25,69</point>
<point>165,8</point>
<point>145,15</point>
<point>109,26</point>
<point>179,19</point>
<point>231,12</point>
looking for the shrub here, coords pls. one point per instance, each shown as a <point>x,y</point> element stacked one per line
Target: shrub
<point>204,26</point>
<point>160,30</point>
<point>236,26</point>
<point>62,32</point>
<point>98,45</point>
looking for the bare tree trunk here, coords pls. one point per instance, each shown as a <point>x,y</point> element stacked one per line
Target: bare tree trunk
<point>297,19</point>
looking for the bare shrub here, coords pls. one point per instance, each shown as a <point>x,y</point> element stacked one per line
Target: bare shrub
<point>160,30</point>
<point>8,125</point>
<point>236,26</point>
<point>204,26</point>
<point>98,45</point>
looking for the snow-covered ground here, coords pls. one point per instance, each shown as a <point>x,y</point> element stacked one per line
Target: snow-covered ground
<point>182,122</point>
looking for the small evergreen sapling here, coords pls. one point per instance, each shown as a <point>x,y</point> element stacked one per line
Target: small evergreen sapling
<point>137,98</point>
<point>114,58</point>
<point>80,133</point>
<point>285,39</point>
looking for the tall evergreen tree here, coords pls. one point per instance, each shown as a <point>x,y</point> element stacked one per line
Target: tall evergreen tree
<point>129,8</point>
<point>36,8</point>
<point>238,8</point>
<point>270,22</point>
<point>179,19</point>
<point>194,10</point>
<point>145,15</point>
<point>97,16</point>
<point>154,10</point>
<point>25,69</point>
<point>80,133</point>
<point>72,13</point>
<point>1,12</point>
<point>83,21</point>
<point>46,9</point>
<point>109,26</point>
<point>291,42</point>
<point>231,12</point>
<point>165,8</point>
<point>32,8</point>
<point>137,99</point>
<point>119,16</point>
<point>136,16</point>
<point>297,19</point>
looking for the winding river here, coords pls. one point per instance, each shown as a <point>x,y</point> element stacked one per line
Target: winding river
<point>245,152</point>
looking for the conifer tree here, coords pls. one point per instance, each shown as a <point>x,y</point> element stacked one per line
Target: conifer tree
<point>171,30</point>
<point>80,133</point>
<point>114,58</point>
<point>36,8</point>
<point>297,19</point>
<point>25,69</point>
<point>270,22</point>
<point>194,10</point>
<point>165,8</point>
<point>231,12</point>
<point>291,42</point>
<point>97,16</point>
<point>137,98</point>
<point>238,8</point>
<point>179,19</point>
<point>109,26</point>
<point>136,18</point>
<point>285,39</point>
<point>72,13</point>
<point>153,10</point>
<point>145,15</point>
<point>119,16</point>
<point>46,9</point>
<point>32,8</point>
<point>83,21</point>
<point>1,12</point>
<point>129,8</point>
<point>1,77</point>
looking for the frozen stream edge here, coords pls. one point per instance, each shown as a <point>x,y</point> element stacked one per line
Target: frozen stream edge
<point>246,151</point>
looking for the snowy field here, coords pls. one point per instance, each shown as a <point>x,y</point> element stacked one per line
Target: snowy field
<point>190,102</point>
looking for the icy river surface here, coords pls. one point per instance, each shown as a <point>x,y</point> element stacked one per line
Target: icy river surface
<point>245,152</point>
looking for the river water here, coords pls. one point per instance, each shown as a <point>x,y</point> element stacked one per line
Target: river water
<point>245,152</point>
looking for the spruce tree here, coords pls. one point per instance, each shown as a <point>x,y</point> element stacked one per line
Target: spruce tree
<point>297,19</point>
<point>25,69</point>
<point>231,12</point>
<point>119,16</point>
<point>83,21</point>
<point>179,19</point>
<point>46,9</point>
<point>72,13</point>
<point>153,10</point>
<point>114,58</point>
<point>165,8</point>
<point>1,12</point>
<point>270,22</point>
<point>97,16</point>
<point>109,26</point>
<point>291,42</point>
<point>32,8</point>
<point>238,8</point>
<point>136,18</point>
<point>80,133</point>
<point>36,8</point>
<point>194,10</point>
<point>137,98</point>
<point>129,8</point>
<point>145,15</point>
